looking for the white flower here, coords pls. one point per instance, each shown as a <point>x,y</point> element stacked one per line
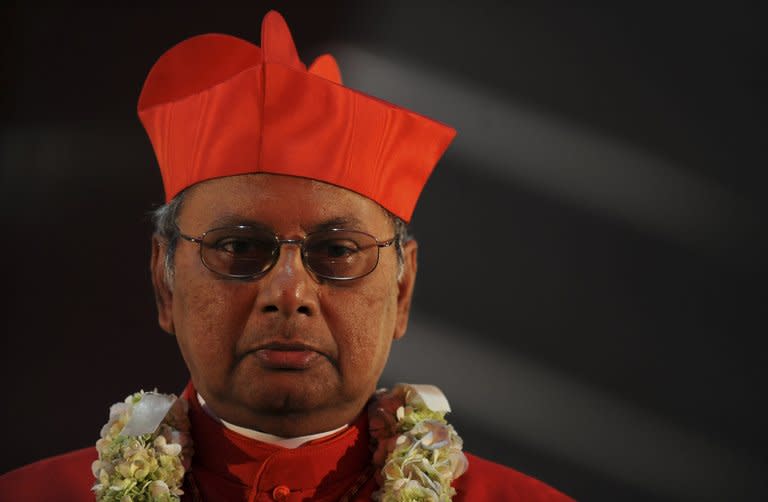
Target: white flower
<point>166,448</point>
<point>159,488</point>
<point>118,409</point>
<point>422,451</point>
<point>143,466</point>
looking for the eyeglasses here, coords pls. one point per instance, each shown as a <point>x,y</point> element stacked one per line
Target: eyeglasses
<point>249,252</point>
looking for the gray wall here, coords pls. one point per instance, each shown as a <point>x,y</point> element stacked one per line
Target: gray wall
<point>591,263</point>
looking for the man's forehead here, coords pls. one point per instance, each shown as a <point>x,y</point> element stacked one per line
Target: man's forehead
<point>263,199</point>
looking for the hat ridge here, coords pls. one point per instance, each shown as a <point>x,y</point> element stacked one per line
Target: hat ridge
<point>325,66</point>
<point>277,42</point>
<point>196,65</point>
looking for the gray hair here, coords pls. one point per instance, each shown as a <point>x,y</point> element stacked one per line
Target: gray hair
<point>165,217</point>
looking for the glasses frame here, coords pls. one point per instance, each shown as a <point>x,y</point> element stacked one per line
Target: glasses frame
<point>279,244</point>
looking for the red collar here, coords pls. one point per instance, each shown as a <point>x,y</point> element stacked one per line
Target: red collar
<point>226,463</point>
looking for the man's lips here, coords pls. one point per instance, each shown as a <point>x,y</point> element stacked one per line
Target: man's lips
<point>281,356</point>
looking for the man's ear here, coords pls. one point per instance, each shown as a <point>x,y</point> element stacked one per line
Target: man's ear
<point>163,292</point>
<point>405,287</point>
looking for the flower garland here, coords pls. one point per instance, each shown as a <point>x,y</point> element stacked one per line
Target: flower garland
<point>418,451</point>
<point>145,448</point>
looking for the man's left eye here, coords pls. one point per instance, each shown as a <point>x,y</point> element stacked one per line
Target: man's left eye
<point>337,249</point>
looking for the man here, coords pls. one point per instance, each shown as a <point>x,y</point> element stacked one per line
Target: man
<point>282,266</point>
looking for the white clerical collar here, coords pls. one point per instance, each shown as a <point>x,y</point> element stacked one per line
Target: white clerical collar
<point>289,443</point>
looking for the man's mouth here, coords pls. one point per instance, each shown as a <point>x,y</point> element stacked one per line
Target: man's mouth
<point>287,356</point>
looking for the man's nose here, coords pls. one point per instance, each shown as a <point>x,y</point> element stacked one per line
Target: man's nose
<point>288,288</point>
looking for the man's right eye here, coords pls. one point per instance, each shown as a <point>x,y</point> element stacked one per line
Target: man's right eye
<point>238,246</point>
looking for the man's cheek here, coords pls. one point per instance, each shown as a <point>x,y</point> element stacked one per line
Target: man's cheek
<point>201,327</point>
<point>212,302</point>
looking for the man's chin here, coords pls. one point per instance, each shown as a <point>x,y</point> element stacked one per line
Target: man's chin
<point>289,392</point>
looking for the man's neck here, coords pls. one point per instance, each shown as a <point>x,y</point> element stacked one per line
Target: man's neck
<point>293,442</point>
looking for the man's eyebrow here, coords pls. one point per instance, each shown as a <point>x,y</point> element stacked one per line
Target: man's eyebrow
<point>348,222</point>
<point>232,220</point>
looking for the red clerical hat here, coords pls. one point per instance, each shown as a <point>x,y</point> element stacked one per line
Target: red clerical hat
<point>216,105</point>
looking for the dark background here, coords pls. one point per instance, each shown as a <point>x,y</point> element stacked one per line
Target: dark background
<point>590,291</point>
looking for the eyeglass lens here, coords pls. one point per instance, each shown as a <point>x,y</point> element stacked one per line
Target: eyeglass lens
<point>250,252</point>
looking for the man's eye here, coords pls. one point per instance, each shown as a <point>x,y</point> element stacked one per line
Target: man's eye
<point>243,247</point>
<point>337,248</point>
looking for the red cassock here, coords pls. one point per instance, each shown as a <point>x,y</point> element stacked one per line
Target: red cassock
<point>230,467</point>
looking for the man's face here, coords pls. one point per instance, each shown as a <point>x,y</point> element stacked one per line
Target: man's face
<point>226,328</point>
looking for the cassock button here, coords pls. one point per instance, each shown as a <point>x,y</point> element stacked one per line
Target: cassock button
<point>281,493</point>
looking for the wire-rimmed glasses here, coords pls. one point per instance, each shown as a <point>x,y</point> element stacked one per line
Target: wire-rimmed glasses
<point>249,252</point>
